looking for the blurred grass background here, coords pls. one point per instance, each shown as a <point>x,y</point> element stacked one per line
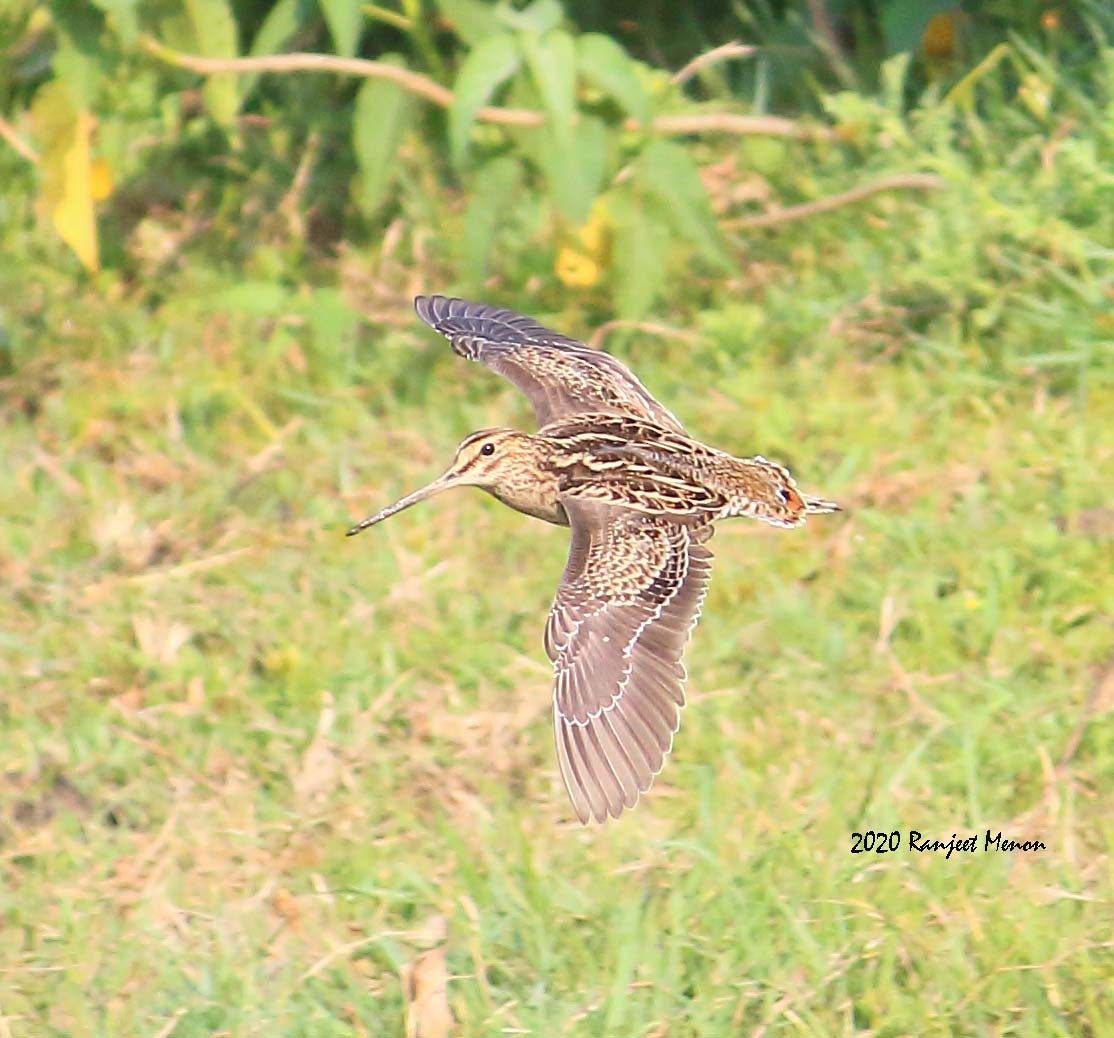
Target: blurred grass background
<point>251,769</point>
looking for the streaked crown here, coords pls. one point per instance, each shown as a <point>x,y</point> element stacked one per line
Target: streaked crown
<point>486,458</point>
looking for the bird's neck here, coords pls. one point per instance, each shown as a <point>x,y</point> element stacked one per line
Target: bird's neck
<point>533,489</point>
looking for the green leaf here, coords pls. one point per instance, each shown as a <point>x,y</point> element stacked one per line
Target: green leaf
<point>331,320</point>
<point>538,18</point>
<point>574,169</point>
<point>487,66</point>
<point>345,20</point>
<point>124,17</point>
<point>963,93</point>
<point>215,29</point>
<point>894,75</point>
<point>282,21</point>
<point>79,71</point>
<point>383,114</point>
<point>472,20</point>
<point>638,258</point>
<point>255,298</point>
<point>666,172</point>
<point>552,61</point>
<point>494,183</point>
<point>606,65</point>
<point>904,21</point>
<point>81,59</point>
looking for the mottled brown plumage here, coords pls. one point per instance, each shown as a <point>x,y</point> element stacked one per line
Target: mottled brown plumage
<point>641,497</point>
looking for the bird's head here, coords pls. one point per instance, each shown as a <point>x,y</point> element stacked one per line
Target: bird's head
<point>488,459</point>
<point>774,497</point>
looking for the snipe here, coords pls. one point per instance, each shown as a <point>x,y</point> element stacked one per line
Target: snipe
<point>641,497</point>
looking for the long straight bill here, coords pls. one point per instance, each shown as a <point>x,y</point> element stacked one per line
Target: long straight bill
<point>442,483</point>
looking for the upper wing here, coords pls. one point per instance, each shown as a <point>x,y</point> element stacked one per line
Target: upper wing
<point>630,595</point>
<point>559,375</point>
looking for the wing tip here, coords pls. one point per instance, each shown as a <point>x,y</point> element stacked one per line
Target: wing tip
<point>590,775</point>
<point>466,324</point>
<point>433,309</point>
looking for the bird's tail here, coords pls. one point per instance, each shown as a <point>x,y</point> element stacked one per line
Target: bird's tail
<point>820,505</point>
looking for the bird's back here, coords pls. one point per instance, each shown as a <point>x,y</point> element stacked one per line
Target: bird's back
<point>662,470</point>
<point>632,462</point>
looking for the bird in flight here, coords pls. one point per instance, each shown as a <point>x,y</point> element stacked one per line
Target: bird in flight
<point>641,497</point>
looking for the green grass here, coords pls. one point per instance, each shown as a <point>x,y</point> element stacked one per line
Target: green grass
<point>250,767</point>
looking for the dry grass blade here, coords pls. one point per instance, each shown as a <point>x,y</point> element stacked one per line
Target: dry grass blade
<point>425,983</point>
<point>905,182</point>
<point>432,91</point>
<point>724,52</point>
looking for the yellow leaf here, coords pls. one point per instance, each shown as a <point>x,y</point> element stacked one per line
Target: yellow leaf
<point>100,180</point>
<point>67,191</point>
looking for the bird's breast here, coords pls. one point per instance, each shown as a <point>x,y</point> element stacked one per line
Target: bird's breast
<point>536,496</point>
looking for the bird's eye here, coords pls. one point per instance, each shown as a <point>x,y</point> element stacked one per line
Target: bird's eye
<point>488,448</point>
<point>785,494</point>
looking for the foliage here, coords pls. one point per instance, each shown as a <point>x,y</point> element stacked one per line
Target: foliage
<point>589,166</point>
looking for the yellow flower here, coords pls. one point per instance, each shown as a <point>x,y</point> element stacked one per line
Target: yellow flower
<point>593,235</point>
<point>581,261</point>
<point>575,269</point>
<point>938,39</point>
